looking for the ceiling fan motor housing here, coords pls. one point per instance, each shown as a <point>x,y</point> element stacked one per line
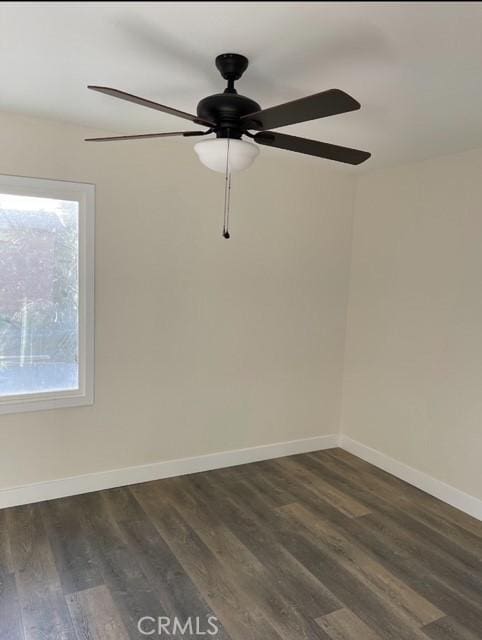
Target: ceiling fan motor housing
<point>226,109</point>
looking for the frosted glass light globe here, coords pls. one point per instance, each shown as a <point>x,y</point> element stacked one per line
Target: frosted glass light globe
<point>212,153</point>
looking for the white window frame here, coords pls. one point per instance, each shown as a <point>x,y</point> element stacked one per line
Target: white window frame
<point>84,194</point>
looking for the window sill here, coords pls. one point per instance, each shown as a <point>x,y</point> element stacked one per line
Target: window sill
<point>45,401</point>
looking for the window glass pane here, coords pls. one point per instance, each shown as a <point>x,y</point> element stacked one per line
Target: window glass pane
<point>39,291</point>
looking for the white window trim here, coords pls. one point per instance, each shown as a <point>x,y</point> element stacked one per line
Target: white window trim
<point>84,194</point>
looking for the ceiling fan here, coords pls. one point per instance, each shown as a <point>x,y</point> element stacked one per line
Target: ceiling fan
<point>230,116</point>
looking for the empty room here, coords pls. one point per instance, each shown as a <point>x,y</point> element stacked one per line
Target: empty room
<point>241,320</point>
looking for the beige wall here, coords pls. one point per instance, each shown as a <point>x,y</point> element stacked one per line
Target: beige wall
<point>413,368</point>
<point>202,344</point>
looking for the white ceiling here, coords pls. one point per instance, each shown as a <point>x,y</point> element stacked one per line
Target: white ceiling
<point>416,68</point>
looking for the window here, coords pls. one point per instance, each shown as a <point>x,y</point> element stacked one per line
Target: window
<point>46,294</point>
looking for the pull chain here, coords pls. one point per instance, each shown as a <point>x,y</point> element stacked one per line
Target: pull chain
<point>227,196</point>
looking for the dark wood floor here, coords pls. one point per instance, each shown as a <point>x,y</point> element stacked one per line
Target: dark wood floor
<point>315,546</point>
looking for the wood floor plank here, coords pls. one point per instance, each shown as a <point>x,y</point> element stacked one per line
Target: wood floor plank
<point>345,625</point>
<point>344,584</point>
<point>459,536</point>
<point>350,590</point>
<point>95,615</point>
<point>378,482</point>
<point>447,566</point>
<point>338,499</point>
<point>21,526</point>
<point>233,477</point>
<point>74,557</point>
<point>123,505</point>
<point>444,554</point>
<point>447,531</point>
<point>240,565</point>
<point>130,589</point>
<point>424,579</point>
<point>450,513</point>
<point>177,594</point>
<point>225,598</point>
<point>10,617</point>
<point>331,471</point>
<point>386,548</point>
<point>463,559</point>
<point>278,496</point>
<point>449,629</point>
<point>45,615</point>
<point>240,508</point>
<point>5,555</point>
<point>401,489</point>
<point>276,474</point>
<point>416,609</point>
<point>391,548</point>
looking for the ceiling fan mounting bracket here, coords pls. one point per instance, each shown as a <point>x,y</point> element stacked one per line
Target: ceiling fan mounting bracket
<point>231,65</point>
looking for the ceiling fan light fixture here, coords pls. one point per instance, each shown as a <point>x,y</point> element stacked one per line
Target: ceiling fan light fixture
<point>213,154</point>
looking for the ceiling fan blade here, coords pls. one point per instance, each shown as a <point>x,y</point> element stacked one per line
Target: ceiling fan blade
<point>116,93</point>
<point>311,147</point>
<point>319,105</point>
<point>142,136</point>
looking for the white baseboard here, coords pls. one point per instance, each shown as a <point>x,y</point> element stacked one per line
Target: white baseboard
<point>86,483</point>
<point>445,492</point>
